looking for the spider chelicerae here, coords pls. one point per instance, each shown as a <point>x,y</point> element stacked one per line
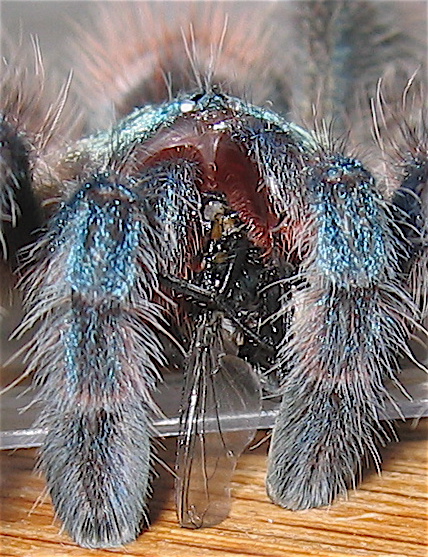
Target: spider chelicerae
<point>176,224</point>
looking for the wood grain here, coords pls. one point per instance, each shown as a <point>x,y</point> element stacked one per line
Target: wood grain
<point>386,516</point>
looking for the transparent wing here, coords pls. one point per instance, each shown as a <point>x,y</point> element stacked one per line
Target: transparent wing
<point>221,407</point>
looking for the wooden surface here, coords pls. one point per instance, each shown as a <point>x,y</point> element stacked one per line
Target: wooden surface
<point>386,516</point>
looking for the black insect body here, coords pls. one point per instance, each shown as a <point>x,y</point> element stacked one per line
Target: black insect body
<point>212,235</point>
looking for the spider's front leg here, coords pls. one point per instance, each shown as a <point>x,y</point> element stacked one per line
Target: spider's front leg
<point>97,355</point>
<point>349,326</point>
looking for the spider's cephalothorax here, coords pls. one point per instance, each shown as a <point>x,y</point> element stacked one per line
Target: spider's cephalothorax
<point>262,253</point>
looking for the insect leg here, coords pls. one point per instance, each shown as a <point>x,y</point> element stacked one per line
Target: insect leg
<point>219,387</point>
<point>349,326</point>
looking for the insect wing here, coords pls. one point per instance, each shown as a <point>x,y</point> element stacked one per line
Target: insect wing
<point>221,408</point>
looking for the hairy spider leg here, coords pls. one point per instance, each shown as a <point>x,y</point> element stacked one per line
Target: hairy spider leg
<point>410,210</point>
<point>19,211</point>
<point>348,328</point>
<point>169,191</point>
<point>97,356</point>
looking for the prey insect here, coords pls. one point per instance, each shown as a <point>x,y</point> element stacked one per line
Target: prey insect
<point>211,235</point>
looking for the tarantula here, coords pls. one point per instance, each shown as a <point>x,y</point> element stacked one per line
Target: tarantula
<point>201,232</point>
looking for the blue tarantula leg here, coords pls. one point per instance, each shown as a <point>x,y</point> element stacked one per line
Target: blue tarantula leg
<point>97,356</point>
<point>19,210</point>
<point>410,210</point>
<point>169,189</point>
<point>35,119</point>
<point>349,326</point>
